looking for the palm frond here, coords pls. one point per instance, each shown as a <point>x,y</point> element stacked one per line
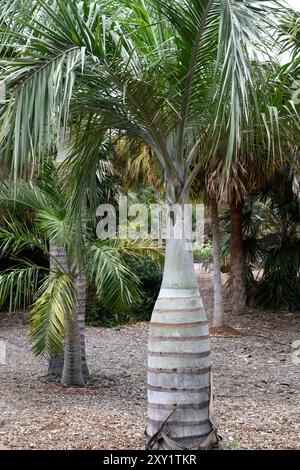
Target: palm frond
<point>24,194</point>
<point>18,236</point>
<point>19,284</point>
<point>116,285</point>
<point>55,303</point>
<point>139,248</point>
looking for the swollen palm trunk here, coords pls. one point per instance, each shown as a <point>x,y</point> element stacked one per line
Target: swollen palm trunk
<point>55,367</point>
<point>178,358</point>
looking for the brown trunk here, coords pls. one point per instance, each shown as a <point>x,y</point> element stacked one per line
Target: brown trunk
<point>237,258</point>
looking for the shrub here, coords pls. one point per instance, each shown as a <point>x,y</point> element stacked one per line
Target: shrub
<point>149,273</point>
<point>271,244</point>
<point>202,253</point>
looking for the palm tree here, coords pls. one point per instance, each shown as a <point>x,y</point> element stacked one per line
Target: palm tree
<point>270,242</point>
<point>218,314</point>
<point>206,188</point>
<point>150,70</point>
<point>56,364</point>
<point>59,301</point>
<point>258,159</point>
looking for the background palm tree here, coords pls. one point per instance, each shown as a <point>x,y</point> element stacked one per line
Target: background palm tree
<point>218,314</point>
<point>270,243</point>
<point>151,71</point>
<point>60,297</point>
<point>258,159</point>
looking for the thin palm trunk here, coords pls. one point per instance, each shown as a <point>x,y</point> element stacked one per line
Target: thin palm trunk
<point>218,315</point>
<point>237,258</point>
<point>81,308</point>
<point>56,364</point>
<point>62,367</point>
<point>55,367</point>
<point>179,357</point>
<point>72,375</point>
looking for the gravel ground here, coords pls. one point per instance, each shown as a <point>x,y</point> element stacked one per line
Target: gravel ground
<point>257,386</point>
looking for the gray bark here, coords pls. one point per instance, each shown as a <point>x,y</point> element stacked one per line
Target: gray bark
<point>55,368</point>
<point>81,309</point>
<point>72,375</point>
<point>218,315</point>
<point>58,369</point>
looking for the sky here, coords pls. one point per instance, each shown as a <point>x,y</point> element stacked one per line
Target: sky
<point>294,3</point>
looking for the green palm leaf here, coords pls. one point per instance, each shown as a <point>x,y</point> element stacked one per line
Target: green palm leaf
<point>116,285</point>
<point>55,303</point>
<point>18,284</point>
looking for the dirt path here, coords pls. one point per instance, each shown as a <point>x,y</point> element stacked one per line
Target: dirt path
<point>257,385</point>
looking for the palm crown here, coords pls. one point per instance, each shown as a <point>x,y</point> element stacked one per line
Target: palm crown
<point>144,68</point>
<point>102,264</point>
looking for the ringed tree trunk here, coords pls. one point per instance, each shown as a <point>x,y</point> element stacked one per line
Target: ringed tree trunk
<point>178,357</point>
<point>58,365</point>
<point>55,368</point>
<point>68,368</point>
<point>218,315</point>
<point>72,374</point>
<point>237,258</point>
<point>81,309</point>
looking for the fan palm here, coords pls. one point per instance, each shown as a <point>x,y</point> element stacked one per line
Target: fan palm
<point>151,70</point>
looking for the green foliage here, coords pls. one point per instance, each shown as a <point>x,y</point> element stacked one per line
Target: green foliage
<point>17,285</point>
<point>116,285</point>
<point>149,273</point>
<point>202,253</point>
<point>54,305</point>
<point>175,76</point>
<point>271,243</point>
<point>54,292</point>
